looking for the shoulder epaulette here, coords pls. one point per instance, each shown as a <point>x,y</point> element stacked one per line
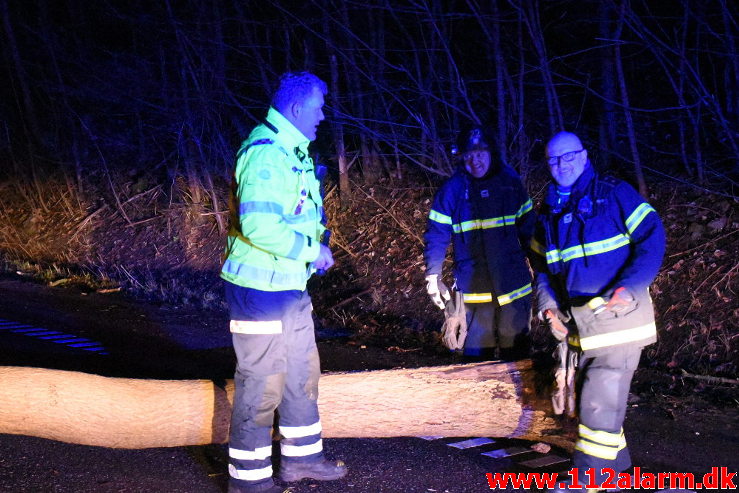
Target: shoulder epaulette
<point>611,180</point>
<point>259,142</point>
<point>604,185</point>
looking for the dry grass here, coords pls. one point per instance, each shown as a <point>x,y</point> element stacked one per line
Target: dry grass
<point>164,246</point>
<point>697,289</point>
<point>45,227</point>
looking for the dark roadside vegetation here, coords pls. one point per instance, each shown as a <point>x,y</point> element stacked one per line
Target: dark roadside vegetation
<point>120,124</point>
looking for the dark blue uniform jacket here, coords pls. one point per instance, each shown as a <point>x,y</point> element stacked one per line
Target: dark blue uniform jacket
<point>490,223</point>
<point>604,238</point>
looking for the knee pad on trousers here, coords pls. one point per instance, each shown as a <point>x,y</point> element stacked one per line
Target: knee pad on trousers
<point>270,399</point>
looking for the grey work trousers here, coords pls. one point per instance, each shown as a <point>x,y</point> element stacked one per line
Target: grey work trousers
<point>277,369</point>
<point>604,391</point>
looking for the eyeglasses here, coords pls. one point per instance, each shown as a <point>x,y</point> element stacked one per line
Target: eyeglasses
<point>566,157</point>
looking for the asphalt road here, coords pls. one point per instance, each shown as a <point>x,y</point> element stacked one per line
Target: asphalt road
<point>66,328</point>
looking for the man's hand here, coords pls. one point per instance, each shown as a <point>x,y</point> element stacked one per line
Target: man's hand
<point>556,326</point>
<point>437,290</point>
<point>325,260</point>
<point>620,300</point>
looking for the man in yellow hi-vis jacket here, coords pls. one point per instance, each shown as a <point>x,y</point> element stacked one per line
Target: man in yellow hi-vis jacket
<point>597,247</point>
<point>273,247</point>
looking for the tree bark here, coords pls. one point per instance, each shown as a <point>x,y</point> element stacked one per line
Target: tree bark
<point>500,75</point>
<point>483,399</point>
<point>368,161</point>
<point>345,192</point>
<point>631,132</point>
<point>522,140</point>
<point>608,125</point>
<point>732,69</point>
<point>532,19</point>
<point>490,24</point>
<point>25,101</point>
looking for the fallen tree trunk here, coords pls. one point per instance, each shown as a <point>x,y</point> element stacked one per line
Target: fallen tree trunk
<point>484,399</point>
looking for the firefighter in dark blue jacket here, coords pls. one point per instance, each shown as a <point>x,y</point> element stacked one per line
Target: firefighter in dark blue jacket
<point>484,210</point>
<point>597,247</point>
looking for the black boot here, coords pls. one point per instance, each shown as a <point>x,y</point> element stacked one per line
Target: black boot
<point>323,470</point>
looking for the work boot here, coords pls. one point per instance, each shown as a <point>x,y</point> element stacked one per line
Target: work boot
<point>323,470</point>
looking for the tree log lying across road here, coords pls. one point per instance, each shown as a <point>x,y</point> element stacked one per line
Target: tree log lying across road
<point>482,399</point>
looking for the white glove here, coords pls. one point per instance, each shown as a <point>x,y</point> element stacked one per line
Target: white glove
<point>437,290</point>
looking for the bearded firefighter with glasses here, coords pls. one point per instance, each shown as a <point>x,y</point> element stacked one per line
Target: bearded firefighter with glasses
<point>597,247</point>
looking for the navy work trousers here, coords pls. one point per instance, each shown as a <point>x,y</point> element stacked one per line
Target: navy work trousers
<point>490,326</point>
<point>277,369</point>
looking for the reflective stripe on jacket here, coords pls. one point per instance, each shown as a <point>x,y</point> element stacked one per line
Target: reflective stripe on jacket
<point>276,210</point>
<point>487,220</point>
<point>605,238</point>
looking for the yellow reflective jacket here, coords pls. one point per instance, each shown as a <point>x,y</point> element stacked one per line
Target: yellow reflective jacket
<point>276,210</point>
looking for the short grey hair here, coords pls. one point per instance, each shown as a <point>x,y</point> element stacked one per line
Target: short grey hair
<point>295,87</point>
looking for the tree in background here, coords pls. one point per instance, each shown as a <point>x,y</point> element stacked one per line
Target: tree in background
<point>163,89</point>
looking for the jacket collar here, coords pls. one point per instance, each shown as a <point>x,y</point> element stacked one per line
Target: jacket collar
<point>289,136</point>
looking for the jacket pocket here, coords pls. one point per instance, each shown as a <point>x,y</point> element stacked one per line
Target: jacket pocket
<point>602,321</point>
